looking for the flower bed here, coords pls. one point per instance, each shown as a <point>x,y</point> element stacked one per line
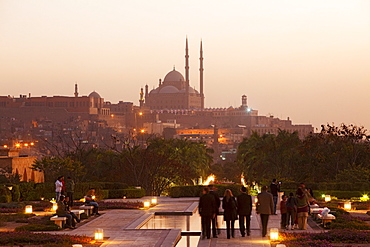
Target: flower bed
<point>324,239</point>
<point>29,238</point>
<point>120,205</point>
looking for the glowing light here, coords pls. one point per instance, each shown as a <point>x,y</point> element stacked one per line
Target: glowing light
<point>256,199</point>
<point>124,197</point>
<point>5,146</point>
<point>93,197</point>
<point>17,145</point>
<point>364,198</point>
<point>32,143</point>
<point>83,200</point>
<point>347,205</point>
<point>210,178</point>
<point>28,209</point>
<point>99,234</point>
<point>42,198</point>
<point>154,200</point>
<point>142,130</point>
<point>26,144</point>
<point>52,200</point>
<point>112,115</point>
<point>323,195</point>
<point>327,198</point>
<point>55,206</point>
<point>140,113</point>
<point>274,234</point>
<point>146,204</point>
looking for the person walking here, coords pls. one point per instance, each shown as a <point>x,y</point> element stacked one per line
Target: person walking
<point>264,207</point>
<point>206,210</point>
<point>291,205</point>
<point>70,187</point>
<point>274,190</point>
<point>214,224</point>
<point>230,212</point>
<point>244,206</point>
<point>58,188</point>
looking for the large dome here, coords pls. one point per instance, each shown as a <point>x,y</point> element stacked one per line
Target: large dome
<point>94,95</point>
<point>173,76</point>
<point>169,89</point>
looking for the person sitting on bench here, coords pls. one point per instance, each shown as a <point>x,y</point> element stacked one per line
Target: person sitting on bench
<point>90,201</point>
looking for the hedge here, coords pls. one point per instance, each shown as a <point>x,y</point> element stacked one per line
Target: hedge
<point>196,190</point>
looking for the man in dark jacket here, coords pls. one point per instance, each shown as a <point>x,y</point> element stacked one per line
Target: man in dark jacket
<point>62,212</point>
<point>206,209</point>
<point>244,205</point>
<point>274,190</point>
<point>218,203</point>
<point>264,207</point>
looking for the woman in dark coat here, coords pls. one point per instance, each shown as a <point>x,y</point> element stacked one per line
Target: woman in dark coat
<point>230,212</point>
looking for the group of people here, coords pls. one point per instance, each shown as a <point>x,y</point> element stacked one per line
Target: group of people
<point>294,210</point>
<point>64,191</point>
<point>234,208</point>
<point>65,188</point>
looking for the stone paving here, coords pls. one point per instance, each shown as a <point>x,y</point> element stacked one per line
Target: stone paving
<point>122,228</point>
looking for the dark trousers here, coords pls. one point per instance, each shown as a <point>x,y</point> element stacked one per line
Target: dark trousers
<point>214,226</point>
<point>264,221</point>
<point>206,226</point>
<point>275,203</point>
<point>70,195</point>
<point>291,215</point>
<point>69,221</point>
<point>283,220</point>
<point>230,224</point>
<point>247,225</point>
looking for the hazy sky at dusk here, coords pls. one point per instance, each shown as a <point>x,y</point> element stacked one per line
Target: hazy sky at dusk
<point>307,60</point>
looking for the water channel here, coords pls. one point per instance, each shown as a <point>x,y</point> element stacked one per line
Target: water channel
<point>189,225</point>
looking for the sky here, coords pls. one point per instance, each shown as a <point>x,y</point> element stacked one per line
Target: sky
<point>306,60</point>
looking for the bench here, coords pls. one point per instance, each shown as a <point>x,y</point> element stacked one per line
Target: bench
<point>326,219</point>
<point>59,221</point>
<point>87,209</point>
<point>78,213</point>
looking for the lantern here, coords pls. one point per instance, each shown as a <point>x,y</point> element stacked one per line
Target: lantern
<point>347,205</point>
<point>28,209</point>
<point>327,198</point>
<point>146,204</point>
<point>274,234</point>
<point>99,234</point>
<point>154,201</point>
<point>55,206</point>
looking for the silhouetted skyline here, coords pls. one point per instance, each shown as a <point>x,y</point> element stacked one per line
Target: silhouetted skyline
<point>305,60</point>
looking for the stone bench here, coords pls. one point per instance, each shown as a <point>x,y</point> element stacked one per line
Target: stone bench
<point>326,219</point>
<point>78,213</point>
<point>87,209</point>
<point>59,221</point>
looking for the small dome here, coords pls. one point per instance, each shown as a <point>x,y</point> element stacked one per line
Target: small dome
<point>169,89</point>
<point>173,76</point>
<point>154,91</point>
<point>94,95</point>
<point>191,90</point>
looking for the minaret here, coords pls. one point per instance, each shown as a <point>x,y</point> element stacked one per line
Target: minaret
<point>187,104</point>
<point>76,90</point>
<point>201,76</point>
<point>146,92</point>
<point>141,100</point>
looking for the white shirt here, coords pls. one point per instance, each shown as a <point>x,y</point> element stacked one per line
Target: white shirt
<point>58,186</point>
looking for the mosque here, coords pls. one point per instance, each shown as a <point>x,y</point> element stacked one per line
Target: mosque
<point>175,92</point>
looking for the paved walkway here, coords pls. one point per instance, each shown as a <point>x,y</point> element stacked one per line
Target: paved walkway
<point>132,228</point>
<point>121,228</point>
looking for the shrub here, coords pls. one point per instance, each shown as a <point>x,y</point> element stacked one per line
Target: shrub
<point>37,227</point>
<point>129,193</point>
<point>196,190</point>
<point>5,195</point>
<point>29,238</point>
